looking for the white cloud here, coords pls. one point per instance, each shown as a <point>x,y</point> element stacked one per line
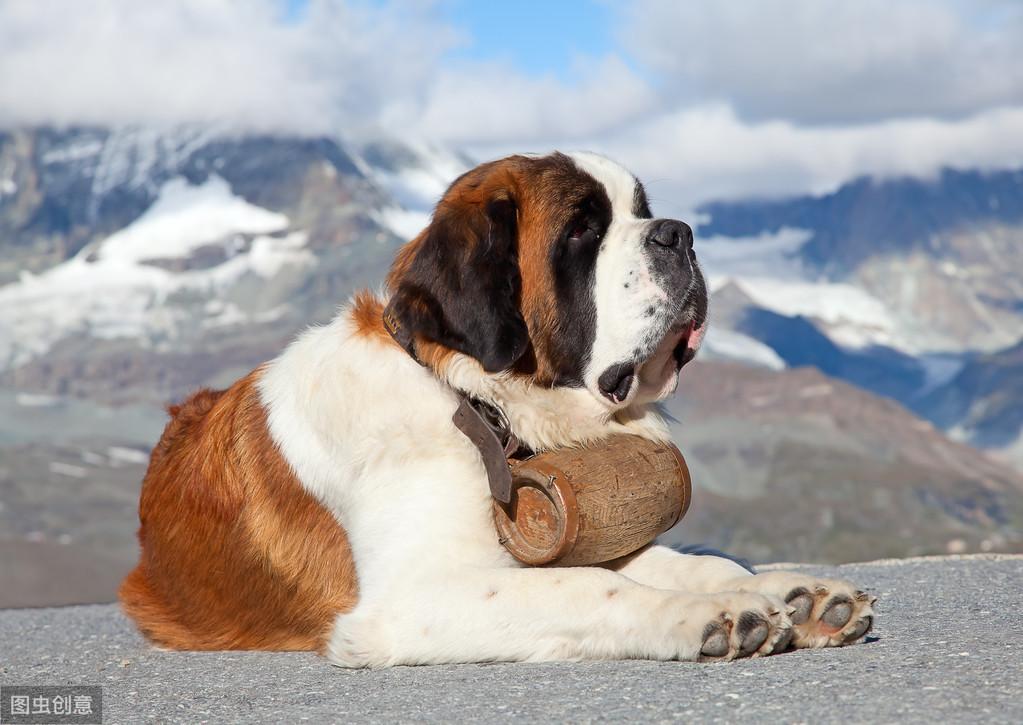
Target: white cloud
<point>493,104</point>
<point>687,157</point>
<point>833,60</point>
<point>338,66</point>
<point>728,103</point>
<point>130,62</point>
<point>907,89</point>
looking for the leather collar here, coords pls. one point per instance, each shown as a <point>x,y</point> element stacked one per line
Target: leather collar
<point>481,422</point>
<point>487,427</point>
<point>401,335</point>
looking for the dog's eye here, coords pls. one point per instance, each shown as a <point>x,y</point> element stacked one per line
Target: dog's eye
<point>581,231</point>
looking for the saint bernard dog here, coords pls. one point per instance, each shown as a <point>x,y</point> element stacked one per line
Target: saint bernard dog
<point>326,501</point>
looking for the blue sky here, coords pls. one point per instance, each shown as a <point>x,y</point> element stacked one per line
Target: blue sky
<point>536,37</point>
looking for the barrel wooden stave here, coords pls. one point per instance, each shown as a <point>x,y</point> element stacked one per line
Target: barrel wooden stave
<point>584,506</point>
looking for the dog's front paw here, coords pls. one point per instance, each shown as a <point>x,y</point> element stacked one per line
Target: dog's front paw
<point>826,612</point>
<point>729,625</point>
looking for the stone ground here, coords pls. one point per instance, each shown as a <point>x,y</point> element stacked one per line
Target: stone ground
<point>947,647</point>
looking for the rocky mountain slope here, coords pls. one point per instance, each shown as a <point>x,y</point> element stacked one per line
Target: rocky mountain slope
<point>910,288</point>
<point>983,403</point>
<point>797,466</point>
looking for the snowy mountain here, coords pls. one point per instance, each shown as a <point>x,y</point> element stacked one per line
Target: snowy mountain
<point>178,258</point>
<point>903,287</point>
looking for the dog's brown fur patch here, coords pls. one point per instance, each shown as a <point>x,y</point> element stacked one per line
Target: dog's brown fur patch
<point>545,191</point>
<point>235,553</point>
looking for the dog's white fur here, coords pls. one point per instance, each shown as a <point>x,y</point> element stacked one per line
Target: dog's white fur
<point>625,286</point>
<point>368,432</point>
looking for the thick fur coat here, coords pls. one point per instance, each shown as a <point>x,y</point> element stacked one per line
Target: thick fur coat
<point>326,501</point>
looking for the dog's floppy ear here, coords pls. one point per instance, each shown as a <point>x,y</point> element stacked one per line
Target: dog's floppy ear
<point>458,283</point>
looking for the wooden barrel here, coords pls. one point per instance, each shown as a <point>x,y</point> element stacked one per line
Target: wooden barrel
<point>585,506</point>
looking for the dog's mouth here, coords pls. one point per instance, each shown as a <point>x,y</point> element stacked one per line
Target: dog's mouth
<point>683,343</point>
<point>656,370</point>
<point>683,353</point>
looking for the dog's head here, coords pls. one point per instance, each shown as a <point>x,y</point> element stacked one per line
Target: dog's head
<point>553,267</point>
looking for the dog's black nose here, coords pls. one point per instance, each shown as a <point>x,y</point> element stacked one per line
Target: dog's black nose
<point>671,233</point>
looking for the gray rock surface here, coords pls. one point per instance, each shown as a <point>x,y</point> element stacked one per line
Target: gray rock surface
<point>946,648</point>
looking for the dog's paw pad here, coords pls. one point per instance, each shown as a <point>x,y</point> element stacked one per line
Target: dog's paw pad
<point>862,626</point>
<point>716,638</point>
<point>783,641</point>
<point>752,631</point>
<point>837,612</point>
<point>801,601</point>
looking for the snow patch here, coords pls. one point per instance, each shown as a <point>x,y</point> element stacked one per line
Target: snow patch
<point>415,188</point>
<point>107,292</point>
<point>66,469</point>
<point>765,255</point>
<point>405,224</point>
<point>93,459</point>
<point>419,187</point>
<point>135,156</point>
<point>34,400</point>
<point>186,217</point>
<point>939,370</point>
<point>266,257</point>
<point>118,454</point>
<point>226,316</point>
<point>76,151</point>
<point>1012,453</point>
<point>851,317</point>
<point>768,269</point>
<point>721,342</point>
